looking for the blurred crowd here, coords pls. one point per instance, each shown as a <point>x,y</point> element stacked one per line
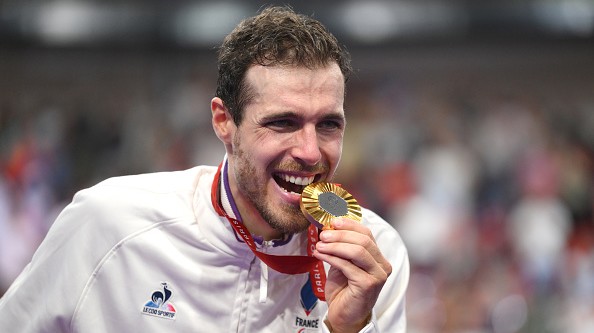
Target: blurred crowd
<point>488,177</point>
<point>492,192</point>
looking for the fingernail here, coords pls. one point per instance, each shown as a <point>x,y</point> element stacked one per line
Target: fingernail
<point>337,222</point>
<point>326,235</point>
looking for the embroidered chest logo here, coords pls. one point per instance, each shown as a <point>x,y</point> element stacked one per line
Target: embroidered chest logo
<point>308,299</point>
<point>159,305</point>
<point>308,303</point>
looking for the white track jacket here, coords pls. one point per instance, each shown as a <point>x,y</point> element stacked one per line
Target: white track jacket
<point>148,253</point>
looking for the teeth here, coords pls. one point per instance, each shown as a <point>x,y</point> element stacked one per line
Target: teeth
<point>299,180</point>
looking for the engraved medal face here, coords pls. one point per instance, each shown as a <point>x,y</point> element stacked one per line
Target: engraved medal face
<point>322,202</point>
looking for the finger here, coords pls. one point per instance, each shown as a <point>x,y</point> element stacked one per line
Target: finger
<point>361,281</point>
<point>345,239</point>
<point>360,236</point>
<point>343,255</point>
<point>349,269</point>
<point>346,231</point>
<point>342,223</point>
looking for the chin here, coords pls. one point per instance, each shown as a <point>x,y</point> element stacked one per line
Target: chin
<point>291,222</point>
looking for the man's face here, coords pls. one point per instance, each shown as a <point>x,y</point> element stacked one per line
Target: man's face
<point>291,135</point>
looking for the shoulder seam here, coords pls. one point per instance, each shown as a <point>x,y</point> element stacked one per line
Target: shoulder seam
<point>110,254</point>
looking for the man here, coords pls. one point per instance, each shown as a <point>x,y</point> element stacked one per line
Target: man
<point>226,249</point>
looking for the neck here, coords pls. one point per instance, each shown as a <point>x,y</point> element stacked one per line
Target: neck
<point>252,219</point>
<point>243,209</point>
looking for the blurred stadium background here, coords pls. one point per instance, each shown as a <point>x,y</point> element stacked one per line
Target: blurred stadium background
<point>471,129</point>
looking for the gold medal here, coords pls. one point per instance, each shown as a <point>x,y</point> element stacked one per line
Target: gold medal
<point>322,202</point>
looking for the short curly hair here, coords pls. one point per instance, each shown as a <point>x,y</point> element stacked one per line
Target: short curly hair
<point>276,36</point>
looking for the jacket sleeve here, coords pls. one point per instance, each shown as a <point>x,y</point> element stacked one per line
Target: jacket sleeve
<point>44,296</point>
<point>390,311</point>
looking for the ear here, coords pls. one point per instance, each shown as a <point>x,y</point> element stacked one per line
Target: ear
<point>222,122</point>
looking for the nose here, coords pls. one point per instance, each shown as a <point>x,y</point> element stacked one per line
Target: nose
<point>306,146</point>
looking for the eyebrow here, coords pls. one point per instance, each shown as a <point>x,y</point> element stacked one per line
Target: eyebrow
<point>280,115</point>
<point>293,115</point>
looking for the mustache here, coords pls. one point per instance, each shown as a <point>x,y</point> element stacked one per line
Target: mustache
<point>297,167</point>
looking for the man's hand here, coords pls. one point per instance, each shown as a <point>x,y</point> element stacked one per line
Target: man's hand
<point>357,274</point>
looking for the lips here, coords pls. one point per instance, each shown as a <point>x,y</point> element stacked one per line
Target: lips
<point>292,183</point>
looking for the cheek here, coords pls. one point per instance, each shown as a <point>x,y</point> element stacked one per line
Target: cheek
<point>259,149</point>
<point>270,145</point>
<point>334,149</point>
<point>333,153</point>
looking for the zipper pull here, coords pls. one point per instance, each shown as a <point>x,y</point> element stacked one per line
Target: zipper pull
<point>263,282</point>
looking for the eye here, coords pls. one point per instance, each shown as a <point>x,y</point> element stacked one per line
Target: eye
<point>282,125</point>
<point>330,125</point>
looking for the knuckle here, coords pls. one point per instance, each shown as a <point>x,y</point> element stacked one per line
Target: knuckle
<point>367,243</point>
<point>361,252</point>
<point>388,269</point>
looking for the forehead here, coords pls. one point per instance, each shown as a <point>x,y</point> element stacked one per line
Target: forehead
<point>298,86</point>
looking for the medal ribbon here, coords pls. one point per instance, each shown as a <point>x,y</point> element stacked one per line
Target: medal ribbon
<point>280,263</point>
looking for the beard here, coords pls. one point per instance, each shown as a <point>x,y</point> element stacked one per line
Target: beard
<point>284,218</point>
